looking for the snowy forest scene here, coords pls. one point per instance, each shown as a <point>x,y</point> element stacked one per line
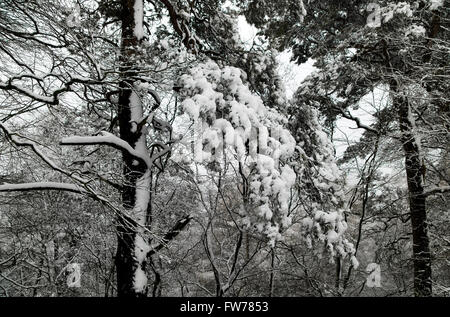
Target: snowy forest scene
<point>224,148</point>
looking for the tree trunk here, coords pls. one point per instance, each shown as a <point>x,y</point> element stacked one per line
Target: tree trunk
<point>125,261</point>
<point>337,282</point>
<point>132,220</point>
<point>414,168</point>
<point>272,273</point>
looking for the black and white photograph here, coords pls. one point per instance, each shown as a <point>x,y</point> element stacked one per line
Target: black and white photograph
<point>224,154</point>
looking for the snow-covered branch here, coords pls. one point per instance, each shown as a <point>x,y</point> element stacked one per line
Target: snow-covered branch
<point>437,190</point>
<point>42,186</point>
<point>20,141</point>
<point>29,93</point>
<point>106,138</point>
<point>52,99</point>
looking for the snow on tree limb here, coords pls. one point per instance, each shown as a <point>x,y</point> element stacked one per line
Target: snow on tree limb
<point>235,119</point>
<point>88,189</point>
<point>29,93</point>
<point>20,141</point>
<point>106,138</point>
<point>437,190</point>
<point>51,97</point>
<point>42,186</point>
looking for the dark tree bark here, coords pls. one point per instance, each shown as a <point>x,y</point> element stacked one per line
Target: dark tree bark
<point>125,260</point>
<point>417,198</point>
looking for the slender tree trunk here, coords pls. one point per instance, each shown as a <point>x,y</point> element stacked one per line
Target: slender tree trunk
<point>337,282</point>
<point>417,199</point>
<point>134,174</point>
<point>272,273</point>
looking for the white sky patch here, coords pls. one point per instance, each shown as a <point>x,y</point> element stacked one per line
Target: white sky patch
<point>374,277</point>
<point>291,73</point>
<point>74,275</point>
<point>347,132</point>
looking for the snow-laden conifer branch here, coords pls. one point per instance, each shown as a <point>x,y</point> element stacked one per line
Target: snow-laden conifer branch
<point>244,127</point>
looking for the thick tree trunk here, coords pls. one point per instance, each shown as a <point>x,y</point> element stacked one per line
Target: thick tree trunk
<point>417,199</point>
<point>131,221</point>
<point>125,260</point>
